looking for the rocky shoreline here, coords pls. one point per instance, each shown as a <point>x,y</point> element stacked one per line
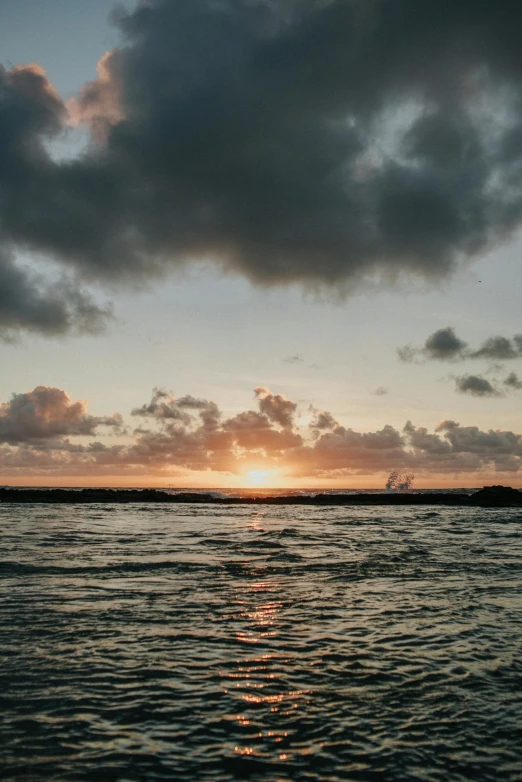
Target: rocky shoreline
<point>489,496</point>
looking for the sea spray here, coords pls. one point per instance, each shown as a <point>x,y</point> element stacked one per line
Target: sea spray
<point>398,482</point>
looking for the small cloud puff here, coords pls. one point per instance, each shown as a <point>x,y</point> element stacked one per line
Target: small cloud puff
<point>513,381</point>
<point>475,385</point>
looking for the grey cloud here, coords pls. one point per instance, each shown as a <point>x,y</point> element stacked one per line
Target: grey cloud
<point>346,450</point>
<point>381,391</point>
<point>409,354</point>
<point>162,406</point>
<point>423,441</point>
<point>475,385</point>
<point>28,303</point>
<point>322,421</point>
<point>512,381</point>
<point>46,414</point>
<point>208,411</point>
<point>500,348</point>
<point>296,359</point>
<point>456,448</point>
<point>306,142</point>
<point>276,408</point>
<point>444,345</point>
<point>472,439</point>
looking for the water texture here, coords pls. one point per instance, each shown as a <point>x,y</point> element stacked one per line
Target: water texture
<point>242,643</point>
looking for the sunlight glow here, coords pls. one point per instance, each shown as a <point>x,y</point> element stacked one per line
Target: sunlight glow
<point>260,477</point>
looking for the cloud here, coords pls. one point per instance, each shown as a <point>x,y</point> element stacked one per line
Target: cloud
<point>512,381</point>
<point>347,450</point>
<point>470,439</point>
<point>98,104</point>
<point>444,345</point>
<point>46,414</point>
<point>409,354</point>
<point>304,142</point>
<point>321,422</point>
<point>499,348</point>
<point>162,406</point>
<point>276,408</point>
<point>475,385</point>
<point>296,359</point>
<point>44,433</point>
<point>30,303</point>
<point>253,432</point>
<point>424,442</point>
<point>381,391</point>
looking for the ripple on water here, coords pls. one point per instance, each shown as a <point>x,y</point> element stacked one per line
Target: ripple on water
<point>211,643</point>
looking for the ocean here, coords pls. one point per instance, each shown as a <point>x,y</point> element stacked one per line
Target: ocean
<point>201,642</point>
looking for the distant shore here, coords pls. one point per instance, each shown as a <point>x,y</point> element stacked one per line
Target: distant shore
<point>489,496</point>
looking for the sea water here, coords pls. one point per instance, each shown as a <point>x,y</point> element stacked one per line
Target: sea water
<point>199,642</point>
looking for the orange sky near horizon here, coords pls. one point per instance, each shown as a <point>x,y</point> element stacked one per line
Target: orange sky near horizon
<point>49,439</point>
<point>203,481</point>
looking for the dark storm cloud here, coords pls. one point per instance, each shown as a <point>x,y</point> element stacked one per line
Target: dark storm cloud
<point>475,385</point>
<point>254,127</point>
<point>309,142</point>
<point>29,304</point>
<point>31,110</point>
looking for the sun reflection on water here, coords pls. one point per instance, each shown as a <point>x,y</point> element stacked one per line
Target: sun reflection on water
<point>259,683</point>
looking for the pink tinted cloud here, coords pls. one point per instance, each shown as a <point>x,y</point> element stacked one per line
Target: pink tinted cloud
<point>43,433</point>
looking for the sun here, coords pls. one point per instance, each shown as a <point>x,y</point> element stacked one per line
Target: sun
<point>260,477</point>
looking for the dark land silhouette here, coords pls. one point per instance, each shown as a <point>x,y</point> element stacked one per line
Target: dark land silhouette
<point>489,496</point>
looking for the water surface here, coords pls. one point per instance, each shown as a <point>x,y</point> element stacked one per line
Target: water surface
<point>260,643</point>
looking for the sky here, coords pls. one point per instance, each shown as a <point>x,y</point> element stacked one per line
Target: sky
<point>260,243</point>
